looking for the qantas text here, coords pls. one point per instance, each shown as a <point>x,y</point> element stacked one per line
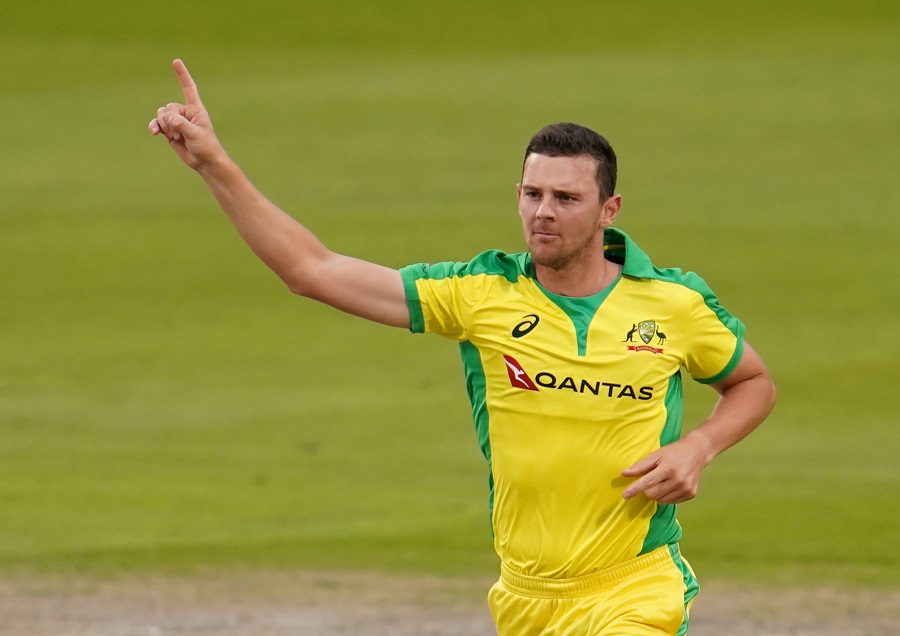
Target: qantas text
<point>608,389</point>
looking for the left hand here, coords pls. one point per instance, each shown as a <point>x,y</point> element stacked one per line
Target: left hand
<point>187,126</point>
<point>671,474</point>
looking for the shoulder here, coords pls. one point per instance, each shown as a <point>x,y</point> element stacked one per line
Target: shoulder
<point>689,283</point>
<point>681,291</point>
<point>492,263</point>
<point>690,292</point>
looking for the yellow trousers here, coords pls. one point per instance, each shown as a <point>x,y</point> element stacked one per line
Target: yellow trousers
<point>650,595</point>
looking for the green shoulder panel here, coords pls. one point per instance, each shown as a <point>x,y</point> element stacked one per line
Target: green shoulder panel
<point>695,283</point>
<point>492,263</point>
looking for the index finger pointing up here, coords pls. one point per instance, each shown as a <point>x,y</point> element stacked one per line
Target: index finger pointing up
<point>188,87</point>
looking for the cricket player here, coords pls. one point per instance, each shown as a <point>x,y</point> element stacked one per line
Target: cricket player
<point>573,353</point>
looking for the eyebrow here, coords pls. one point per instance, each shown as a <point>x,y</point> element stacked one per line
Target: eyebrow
<point>554,191</point>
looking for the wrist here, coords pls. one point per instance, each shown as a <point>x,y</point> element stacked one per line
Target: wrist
<point>704,445</point>
<point>217,167</point>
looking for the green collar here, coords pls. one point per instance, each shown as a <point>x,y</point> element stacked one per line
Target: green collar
<point>619,248</point>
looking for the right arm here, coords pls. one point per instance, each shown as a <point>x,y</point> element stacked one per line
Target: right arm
<point>289,249</point>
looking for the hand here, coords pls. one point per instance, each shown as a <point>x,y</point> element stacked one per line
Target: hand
<point>187,126</point>
<point>671,474</point>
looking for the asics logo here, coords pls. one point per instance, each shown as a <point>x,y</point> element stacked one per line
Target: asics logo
<point>526,326</point>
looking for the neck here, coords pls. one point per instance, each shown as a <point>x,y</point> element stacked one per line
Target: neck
<point>584,278</point>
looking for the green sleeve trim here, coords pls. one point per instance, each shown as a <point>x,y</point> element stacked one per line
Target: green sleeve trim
<point>735,358</point>
<point>416,319</point>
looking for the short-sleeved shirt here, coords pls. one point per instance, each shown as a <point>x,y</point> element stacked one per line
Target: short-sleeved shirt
<point>567,392</point>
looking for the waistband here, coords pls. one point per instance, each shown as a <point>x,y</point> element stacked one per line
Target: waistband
<point>543,587</point>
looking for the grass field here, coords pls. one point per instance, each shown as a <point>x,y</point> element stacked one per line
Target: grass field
<point>166,405</point>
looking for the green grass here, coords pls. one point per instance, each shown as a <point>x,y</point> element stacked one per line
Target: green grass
<point>166,404</point>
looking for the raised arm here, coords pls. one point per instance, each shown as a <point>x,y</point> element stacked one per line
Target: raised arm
<point>290,250</point>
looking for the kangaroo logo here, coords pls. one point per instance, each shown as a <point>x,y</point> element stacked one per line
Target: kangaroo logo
<point>517,376</point>
<point>647,330</point>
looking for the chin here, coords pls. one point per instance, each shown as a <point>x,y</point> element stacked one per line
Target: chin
<point>552,261</point>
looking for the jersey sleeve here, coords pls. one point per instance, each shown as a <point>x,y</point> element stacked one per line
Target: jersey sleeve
<point>441,298</point>
<point>716,340</point>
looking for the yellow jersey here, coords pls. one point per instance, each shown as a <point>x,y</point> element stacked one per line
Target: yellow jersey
<point>567,392</point>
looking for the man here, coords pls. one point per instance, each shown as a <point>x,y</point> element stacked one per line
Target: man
<point>580,422</point>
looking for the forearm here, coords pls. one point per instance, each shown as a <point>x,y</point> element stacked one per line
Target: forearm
<point>280,241</point>
<point>672,473</point>
<point>298,257</point>
<point>741,408</point>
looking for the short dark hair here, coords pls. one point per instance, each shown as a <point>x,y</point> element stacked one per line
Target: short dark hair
<point>566,139</point>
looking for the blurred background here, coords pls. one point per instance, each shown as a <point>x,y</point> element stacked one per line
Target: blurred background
<point>167,405</point>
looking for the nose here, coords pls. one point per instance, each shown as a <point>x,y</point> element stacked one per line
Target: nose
<point>545,211</point>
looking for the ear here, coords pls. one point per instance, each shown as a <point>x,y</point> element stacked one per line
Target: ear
<point>610,211</point>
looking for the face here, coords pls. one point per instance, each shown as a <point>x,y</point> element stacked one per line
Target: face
<point>562,215</point>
